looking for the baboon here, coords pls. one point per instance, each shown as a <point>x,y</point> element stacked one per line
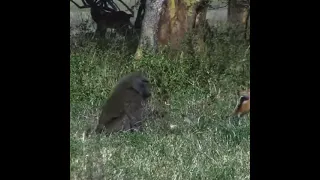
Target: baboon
<point>123,109</point>
<point>244,104</point>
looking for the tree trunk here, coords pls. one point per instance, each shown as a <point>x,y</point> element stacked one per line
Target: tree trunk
<point>167,22</point>
<point>200,27</point>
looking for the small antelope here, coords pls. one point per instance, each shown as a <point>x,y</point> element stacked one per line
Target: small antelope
<point>244,104</point>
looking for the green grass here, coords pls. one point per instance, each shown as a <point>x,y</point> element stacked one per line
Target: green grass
<point>195,92</point>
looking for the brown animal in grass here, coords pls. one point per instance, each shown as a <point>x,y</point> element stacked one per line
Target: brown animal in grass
<point>244,104</point>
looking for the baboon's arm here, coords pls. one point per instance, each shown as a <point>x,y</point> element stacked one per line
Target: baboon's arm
<point>132,119</point>
<point>135,123</point>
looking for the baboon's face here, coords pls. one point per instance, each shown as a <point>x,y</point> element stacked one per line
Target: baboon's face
<point>141,85</point>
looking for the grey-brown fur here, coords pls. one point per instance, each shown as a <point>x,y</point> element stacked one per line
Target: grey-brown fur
<point>123,109</point>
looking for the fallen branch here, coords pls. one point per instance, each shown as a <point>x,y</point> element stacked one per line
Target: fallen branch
<point>80,7</point>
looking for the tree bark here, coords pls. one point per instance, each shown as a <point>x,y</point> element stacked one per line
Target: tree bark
<point>200,27</point>
<point>166,22</point>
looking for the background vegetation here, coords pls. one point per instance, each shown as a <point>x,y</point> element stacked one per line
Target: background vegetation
<point>193,92</point>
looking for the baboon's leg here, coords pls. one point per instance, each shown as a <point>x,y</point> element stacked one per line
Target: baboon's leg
<point>126,124</point>
<point>137,126</point>
<point>129,122</point>
<point>138,123</point>
<point>135,120</point>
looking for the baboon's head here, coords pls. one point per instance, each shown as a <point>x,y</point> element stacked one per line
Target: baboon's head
<point>137,82</point>
<point>141,85</point>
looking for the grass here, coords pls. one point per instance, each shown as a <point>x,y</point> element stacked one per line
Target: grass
<point>196,93</point>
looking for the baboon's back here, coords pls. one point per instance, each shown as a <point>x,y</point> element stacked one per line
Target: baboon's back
<point>118,104</point>
<point>124,101</point>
